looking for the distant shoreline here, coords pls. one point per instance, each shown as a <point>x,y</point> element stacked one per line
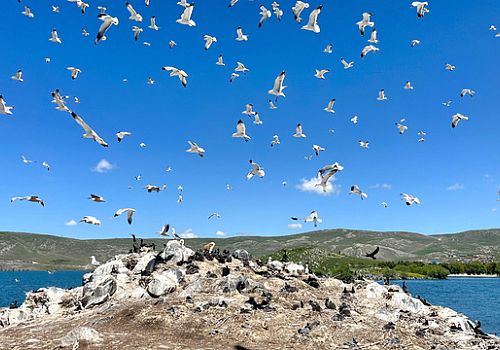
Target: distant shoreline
<point>473,276</point>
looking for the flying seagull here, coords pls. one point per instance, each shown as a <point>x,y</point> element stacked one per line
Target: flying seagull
<point>59,100</point>
<point>329,108</point>
<point>27,12</point>
<point>373,37</point>
<point>367,49</point>
<point>346,64</point>
<point>152,188</point>
<point>277,11</point>
<point>275,141</point>
<point>312,24</point>
<point>136,30</point>
<point>408,86</point>
<point>152,23</point>
<point>257,120</point>
<point>456,118</point>
<point>91,220</point>
<point>372,254</point>
<point>108,21</point>
<point>54,37</point>
<point>272,105</point>
<point>74,72</point>
<point>313,217</point>
<point>317,149</point>
<point>130,212</point>
<point>467,92</point>
<point>320,74</point>
<point>134,16</point>
<point>278,87</point>
<point>298,8</point>
<point>241,131</point>
<point>186,16</point>
<point>177,72</point>
<point>240,67</point>
<point>381,95</point>
<point>96,198</point>
<point>233,76</point>
<point>46,165</point>
<point>209,40</point>
<point>194,148</point>
<point>421,8</point>
<point>401,127</point>
<point>89,132</point>
<point>328,48</point>
<point>34,199</point>
<point>171,43</point>
<point>449,67</point>
<point>298,132</point>
<point>364,144</point>
<point>232,3</point>
<point>415,42</point>
<point>121,135</point>
<point>325,173</point>
<point>409,199</point>
<point>256,170</point>
<point>164,230</point>
<point>26,160</point>
<point>248,110</point>
<point>220,61</point>
<point>265,14</point>
<point>356,190</point>
<point>214,215</point>
<point>240,36</point>
<point>4,109</point>
<point>365,22</point>
<point>384,204</point>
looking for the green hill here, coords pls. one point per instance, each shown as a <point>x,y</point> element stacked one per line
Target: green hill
<point>39,251</point>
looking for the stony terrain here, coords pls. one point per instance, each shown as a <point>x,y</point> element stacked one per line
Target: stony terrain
<point>181,299</point>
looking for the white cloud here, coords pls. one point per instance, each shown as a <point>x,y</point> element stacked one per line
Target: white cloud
<point>382,186</point>
<point>103,166</point>
<point>309,185</point>
<point>295,226</point>
<point>188,233</point>
<point>455,187</point>
<point>220,233</point>
<point>71,223</point>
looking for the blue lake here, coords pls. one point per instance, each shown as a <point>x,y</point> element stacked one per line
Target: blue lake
<point>478,298</point>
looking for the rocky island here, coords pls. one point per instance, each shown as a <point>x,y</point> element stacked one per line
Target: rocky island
<point>207,299</point>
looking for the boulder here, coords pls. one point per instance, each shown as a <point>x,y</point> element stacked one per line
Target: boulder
<point>98,290</point>
<point>83,335</point>
<point>143,262</point>
<point>164,283</point>
<point>241,254</point>
<point>176,252</point>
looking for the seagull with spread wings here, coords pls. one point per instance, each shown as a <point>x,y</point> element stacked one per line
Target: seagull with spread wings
<point>175,72</point>
<point>278,87</point>
<point>134,16</point>
<point>365,22</point>
<point>108,21</point>
<point>34,199</point>
<point>194,148</point>
<point>256,170</point>
<point>312,24</point>
<point>313,217</point>
<point>89,132</point>
<point>4,109</point>
<point>298,8</point>
<point>241,131</point>
<point>186,16</point>
<point>130,212</point>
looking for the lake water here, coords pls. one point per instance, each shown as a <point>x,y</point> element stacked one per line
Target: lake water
<point>478,298</point>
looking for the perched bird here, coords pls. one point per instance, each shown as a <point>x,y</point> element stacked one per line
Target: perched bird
<point>130,212</point>
<point>175,72</point>
<point>136,30</point>
<point>373,37</point>
<point>241,131</point>
<point>317,149</point>
<point>449,67</point>
<point>186,16</point>
<point>27,12</point>
<point>328,48</point>
<point>91,220</point>
<point>456,118</point>
<point>312,24</point>
<point>402,128</point>
<point>256,170</point>
<point>329,107</point>
<point>367,49</point>
<point>415,42</point>
<point>346,64</point>
<point>152,23</point>
<point>275,141</point>
<point>240,67</point>
<point>381,95</point>
<point>313,217</point>
<point>409,199</point>
<point>320,74</point>
<point>298,132</point>
<point>93,261</point>
<point>467,92</point>
<point>108,21</point>
<point>408,86</point>
<point>365,22</point>
<point>364,144</point>
<point>209,40</point>
<point>421,8</point>
<point>96,198</point>
<point>240,36</point>
<point>372,254</point>
<point>89,132</point>
<point>74,72</point>
<point>121,135</point>
<point>356,190</point>
<point>265,14</point>
<point>18,76</point>
<point>194,148</point>
<point>54,37</point>
<point>220,61</point>
<point>134,16</point>
<point>278,87</point>
<point>298,8</point>
<point>34,199</point>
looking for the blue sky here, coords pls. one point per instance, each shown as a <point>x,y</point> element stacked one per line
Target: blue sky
<point>455,172</point>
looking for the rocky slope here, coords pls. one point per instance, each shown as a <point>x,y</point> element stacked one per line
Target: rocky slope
<point>180,299</point>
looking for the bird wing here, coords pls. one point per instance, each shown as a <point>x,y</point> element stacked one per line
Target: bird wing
<point>278,82</point>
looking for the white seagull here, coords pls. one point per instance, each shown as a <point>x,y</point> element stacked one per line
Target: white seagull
<point>240,36</point>
<point>329,108</point>
<point>186,16</point>
<point>26,160</point>
<point>278,87</point>
<point>256,119</point>
<point>421,7</point>
<point>298,8</point>
<point>84,32</point>
<point>363,144</point>
<point>18,76</point>
<point>54,37</point>
<point>89,132</point>
<point>171,44</point>
<point>130,212</point>
<point>209,40</point>
<point>346,64</point>
<point>409,199</point>
<point>328,48</point>
<point>240,67</point>
<point>108,21</point>
<point>194,148</point>
<point>233,76</point>
<point>408,86</point>
<point>152,23</point>
<point>275,141</point>
<point>317,149</point>
<point>298,132</point>
<point>46,165</point>
<point>34,199</point>
<point>4,109</point>
<point>272,105</point>
<point>456,118</point>
<point>134,16</point>
<point>27,12</point>
<point>74,72</point>
<point>320,73</point>
<point>354,119</point>
<point>256,170</point>
<point>94,262</point>
<point>220,61</point>
<point>232,3</point>
<point>265,14</point>
<point>248,110</point>
<point>96,198</point>
<point>381,95</point>
<point>214,215</point>
<point>402,128</point>
<point>178,73</point>
<point>373,37</point>
<point>356,190</point>
<point>136,30</point>
<point>59,100</point>
<point>313,217</point>
<point>312,24</point>
<point>415,42</point>
<point>467,92</point>
<point>449,67</point>
<point>365,22</point>
<point>367,49</point>
<point>241,131</point>
<point>91,220</point>
<point>121,134</point>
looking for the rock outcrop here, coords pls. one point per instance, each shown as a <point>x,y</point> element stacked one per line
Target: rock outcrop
<point>180,299</point>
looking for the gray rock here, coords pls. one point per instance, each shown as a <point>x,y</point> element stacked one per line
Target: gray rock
<point>143,262</point>
<point>164,283</point>
<point>98,290</point>
<point>241,254</point>
<point>84,335</point>
<point>176,252</point>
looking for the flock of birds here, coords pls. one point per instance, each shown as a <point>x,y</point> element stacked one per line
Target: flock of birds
<point>324,175</point>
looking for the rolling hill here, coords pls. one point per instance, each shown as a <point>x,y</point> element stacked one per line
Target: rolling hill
<point>39,251</point>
